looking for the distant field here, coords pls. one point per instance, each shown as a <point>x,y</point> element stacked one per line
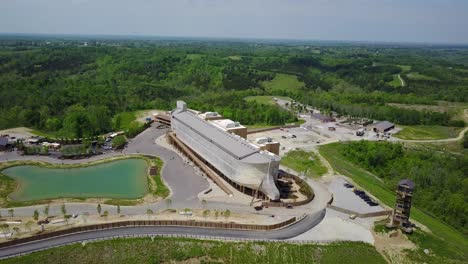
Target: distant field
<point>194,56</point>
<point>303,161</point>
<point>190,251</point>
<point>420,77</point>
<point>428,132</point>
<point>405,68</point>
<point>446,242</point>
<point>266,99</point>
<point>282,81</point>
<point>455,108</point>
<point>450,146</point>
<point>396,81</point>
<point>235,58</point>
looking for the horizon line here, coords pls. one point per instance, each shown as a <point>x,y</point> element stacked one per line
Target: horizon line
<point>246,39</point>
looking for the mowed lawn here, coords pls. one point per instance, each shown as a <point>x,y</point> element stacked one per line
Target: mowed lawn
<point>395,82</point>
<point>178,250</point>
<point>283,82</point>
<point>428,132</point>
<point>448,244</point>
<point>420,77</point>
<point>265,99</point>
<point>302,161</point>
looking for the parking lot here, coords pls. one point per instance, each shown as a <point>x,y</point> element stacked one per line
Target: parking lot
<point>345,197</point>
<point>292,138</point>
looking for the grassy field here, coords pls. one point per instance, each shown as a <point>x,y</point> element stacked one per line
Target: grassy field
<point>126,119</point>
<point>420,77</point>
<point>396,81</point>
<point>454,108</point>
<point>194,56</point>
<point>300,161</point>
<point>448,244</point>
<point>455,147</point>
<point>265,99</point>
<point>405,68</point>
<point>177,250</point>
<point>235,58</point>
<point>283,81</point>
<point>428,132</point>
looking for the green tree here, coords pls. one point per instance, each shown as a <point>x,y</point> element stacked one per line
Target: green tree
<point>63,209</point>
<point>11,212</point>
<point>206,213</point>
<point>36,215</point>
<point>119,142</point>
<point>46,210</point>
<point>227,214</point>
<point>99,209</point>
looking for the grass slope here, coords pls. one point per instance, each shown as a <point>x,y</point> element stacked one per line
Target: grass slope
<point>176,250</point>
<point>447,243</point>
<point>428,132</point>
<point>285,82</point>
<point>395,82</point>
<point>300,161</point>
<point>420,77</point>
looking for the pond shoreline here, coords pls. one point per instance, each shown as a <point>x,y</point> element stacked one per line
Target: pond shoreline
<point>149,195</point>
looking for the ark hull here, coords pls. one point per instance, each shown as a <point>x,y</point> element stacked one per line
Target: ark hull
<point>233,156</point>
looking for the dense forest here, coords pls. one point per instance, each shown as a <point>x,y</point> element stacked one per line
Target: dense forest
<point>77,87</point>
<point>441,179</point>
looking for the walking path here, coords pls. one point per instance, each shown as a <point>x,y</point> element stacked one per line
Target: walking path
<point>403,84</point>
<point>459,137</point>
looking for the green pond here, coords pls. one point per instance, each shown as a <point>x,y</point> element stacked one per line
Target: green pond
<point>117,179</point>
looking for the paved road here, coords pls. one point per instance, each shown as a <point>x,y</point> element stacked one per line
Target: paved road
<point>401,80</point>
<point>459,137</point>
<point>185,184</point>
<point>180,177</point>
<point>285,233</point>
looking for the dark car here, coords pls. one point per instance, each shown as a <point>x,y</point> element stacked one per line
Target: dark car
<point>258,208</point>
<point>347,185</point>
<point>289,206</point>
<point>358,192</point>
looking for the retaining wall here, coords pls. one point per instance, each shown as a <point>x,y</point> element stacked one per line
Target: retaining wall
<point>366,215</point>
<point>184,223</point>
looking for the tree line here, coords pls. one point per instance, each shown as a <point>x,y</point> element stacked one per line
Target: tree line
<point>441,179</point>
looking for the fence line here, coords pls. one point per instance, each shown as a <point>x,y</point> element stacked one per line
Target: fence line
<point>253,131</point>
<point>183,223</point>
<point>365,215</point>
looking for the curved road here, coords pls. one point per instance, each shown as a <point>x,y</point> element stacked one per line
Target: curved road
<point>185,185</point>
<point>180,177</point>
<point>459,137</point>
<point>287,232</point>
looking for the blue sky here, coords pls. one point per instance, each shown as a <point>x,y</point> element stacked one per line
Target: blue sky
<point>438,21</point>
